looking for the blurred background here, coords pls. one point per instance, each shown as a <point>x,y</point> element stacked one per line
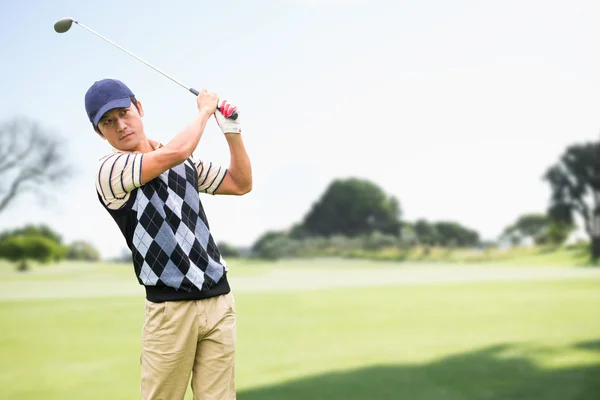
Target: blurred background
<point>425,216</point>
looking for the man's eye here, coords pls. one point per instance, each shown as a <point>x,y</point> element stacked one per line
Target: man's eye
<point>123,111</point>
<point>107,121</point>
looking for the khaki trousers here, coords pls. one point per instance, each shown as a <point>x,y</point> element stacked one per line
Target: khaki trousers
<point>192,337</point>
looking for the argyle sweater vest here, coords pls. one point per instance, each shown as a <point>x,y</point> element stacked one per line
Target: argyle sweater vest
<point>165,227</point>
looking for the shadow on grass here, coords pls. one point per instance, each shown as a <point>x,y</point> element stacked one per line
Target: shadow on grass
<point>593,345</point>
<point>501,372</point>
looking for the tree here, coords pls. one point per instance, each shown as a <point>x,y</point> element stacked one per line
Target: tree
<point>444,233</point>
<point>408,236</point>
<point>353,207</point>
<point>21,249</point>
<point>298,231</point>
<point>31,242</point>
<point>273,245</point>
<point>528,226</point>
<point>258,248</point>
<point>227,250</point>
<point>82,251</point>
<point>557,232</point>
<point>31,157</point>
<point>539,227</point>
<point>426,232</point>
<point>575,184</point>
<point>33,230</point>
<point>452,234</point>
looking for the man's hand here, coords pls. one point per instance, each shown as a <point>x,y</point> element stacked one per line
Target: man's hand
<point>207,102</point>
<point>227,125</point>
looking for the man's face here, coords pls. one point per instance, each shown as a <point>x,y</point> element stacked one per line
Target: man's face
<point>123,127</point>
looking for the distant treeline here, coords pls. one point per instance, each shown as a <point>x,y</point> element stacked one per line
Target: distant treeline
<point>356,215</point>
<point>41,244</point>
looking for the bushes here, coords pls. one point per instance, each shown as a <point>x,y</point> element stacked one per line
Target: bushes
<point>378,241</point>
<point>43,245</point>
<point>227,250</point>
<point>80,250</point>
<point>280,247</point>
<point>21,249</point>
<point>273,246</point>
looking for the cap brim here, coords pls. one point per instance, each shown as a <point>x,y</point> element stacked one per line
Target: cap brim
<point>117,103</point>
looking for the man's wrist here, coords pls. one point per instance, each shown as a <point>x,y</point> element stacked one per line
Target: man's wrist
<point>233,138</point>
<point>204,113</point>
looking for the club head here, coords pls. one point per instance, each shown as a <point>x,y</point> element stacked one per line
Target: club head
<point>63,25</point>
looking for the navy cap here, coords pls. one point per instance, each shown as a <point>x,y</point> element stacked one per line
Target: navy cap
<point>103,96</point>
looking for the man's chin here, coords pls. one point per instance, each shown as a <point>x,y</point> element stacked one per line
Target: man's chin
<point>125,146</point>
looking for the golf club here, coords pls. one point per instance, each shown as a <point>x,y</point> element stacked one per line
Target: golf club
<point>65,24</point>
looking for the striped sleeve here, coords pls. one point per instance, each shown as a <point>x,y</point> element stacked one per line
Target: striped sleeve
<point>210,176</point>
<point>118,175</point>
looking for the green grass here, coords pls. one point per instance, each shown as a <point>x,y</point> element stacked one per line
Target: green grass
<point>568,256</point>
<point>103,270</point>
<point>490,341</point>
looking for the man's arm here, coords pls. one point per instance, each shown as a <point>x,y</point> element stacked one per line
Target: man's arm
<point>118,174</point>
<point>183,144</point>
<point>238,179</point>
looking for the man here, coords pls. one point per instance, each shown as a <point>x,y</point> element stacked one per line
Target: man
<point>152,193</point>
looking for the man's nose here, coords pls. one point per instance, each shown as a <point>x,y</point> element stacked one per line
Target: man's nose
<point>121,124</point>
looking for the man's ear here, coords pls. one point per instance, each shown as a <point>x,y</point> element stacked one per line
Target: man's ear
<point>140,108</point>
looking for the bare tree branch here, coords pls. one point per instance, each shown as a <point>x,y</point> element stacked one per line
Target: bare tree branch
<point>30,158</point>
<point>17,148</point>
<point>16,187</point>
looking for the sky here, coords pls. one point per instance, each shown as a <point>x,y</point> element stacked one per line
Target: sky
<point>456,108</point>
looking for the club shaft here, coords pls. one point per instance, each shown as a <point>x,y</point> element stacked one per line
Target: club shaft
<point>195,92</point>
<point>132,55</point>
